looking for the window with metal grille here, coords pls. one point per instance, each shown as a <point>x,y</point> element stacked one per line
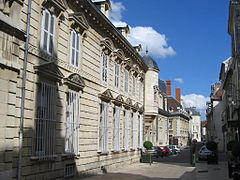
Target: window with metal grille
<point>75,48</point>
<point>72,123</point>
<point>103,140</point>
<point>126,80</point>
<point>117,76</point>
<point>126,130</point>
<point>140,141</point>
<point>45,119</point>
<point>134,131</point>
<point>116,130</point>
<point>104,60</point>
<point>48,31</point>
<point>69,170</point>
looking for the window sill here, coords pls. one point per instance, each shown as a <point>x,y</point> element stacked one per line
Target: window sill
<point>43,158</point>
<point>115,152</point>
<point>70,156</point>
<point>102,153</point>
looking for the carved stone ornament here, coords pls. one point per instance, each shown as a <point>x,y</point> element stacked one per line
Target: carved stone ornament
<point>55,6</point>
<point>107,44</point>
<point>119,100</point>
<point>5,5</point>
<point>135,106</point>
<point>78,22</point>
<point>128,103</point>
<point>118,55</point>
<point>156,88</point>
<point>75,81</point>
<point>106,95</point>
<point>50,70</point>
<point>141,109</point>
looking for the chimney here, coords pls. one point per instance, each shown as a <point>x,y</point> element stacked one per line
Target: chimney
<point>124,30</point>
<point>178,94</point>
<point>169,87</point>
<point>104,6</point>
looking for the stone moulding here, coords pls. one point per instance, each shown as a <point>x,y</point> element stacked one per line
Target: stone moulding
<point>106,95</point>
<point>49,69</point>
<point>75,81</point>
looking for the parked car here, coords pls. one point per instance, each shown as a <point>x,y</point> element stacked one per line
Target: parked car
<point>166,151</point>
<point>174,149</point>
<point>156,151</point>
<point>203,153</point>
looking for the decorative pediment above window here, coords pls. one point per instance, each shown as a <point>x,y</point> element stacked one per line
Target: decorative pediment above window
<point>135,70</point>
<point>118,55</point>
<point>107,45</point>
<point>54,6</point>
<point>135,107</point>
<point>5,5</point>
<point>75,81</point>
<point>126,63</point>
<point>78,22</point>
<point>106,95</point>
<point>50,70</point>
<point>141,76</point>
<point>128,103</point>
<point>119,100</point>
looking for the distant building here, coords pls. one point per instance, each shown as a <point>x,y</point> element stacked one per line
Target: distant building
<point>194,123</point>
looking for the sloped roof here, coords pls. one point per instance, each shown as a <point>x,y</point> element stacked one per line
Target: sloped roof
<point>173,104</point>
<point>194,111</point>
<point>162,86</point>
<point>151,63</point>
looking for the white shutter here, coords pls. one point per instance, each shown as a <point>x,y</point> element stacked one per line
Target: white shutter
<point>116,134</point>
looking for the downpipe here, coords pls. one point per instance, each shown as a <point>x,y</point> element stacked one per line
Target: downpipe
<point>23,91</point>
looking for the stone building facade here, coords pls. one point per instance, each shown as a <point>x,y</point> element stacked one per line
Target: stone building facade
<point>83,93</point>
<point>155,111</point>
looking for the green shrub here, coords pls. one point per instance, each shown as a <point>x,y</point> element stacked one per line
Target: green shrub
<point>211,145</point>
<point>148,145</point>
<point>230,145</point>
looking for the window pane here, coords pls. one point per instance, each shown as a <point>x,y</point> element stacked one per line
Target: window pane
<point>45,36</point>
<point>77,56</point>
<point>52,25</point>
<point>46,21</point>
<point>78,41</point>
<point>73,56</point>
<point>73,39</point>
<point>51,44</point>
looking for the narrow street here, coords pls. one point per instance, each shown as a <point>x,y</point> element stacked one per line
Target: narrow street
<point>168,168</point>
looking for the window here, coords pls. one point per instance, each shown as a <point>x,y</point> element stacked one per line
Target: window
<point>117,72</point>
<point>45,120</point>
<point>126,130</point>
<point>69,170</point>
<point>75,49</point>
<point>72,124</point>
<point>134,86</point>
<point>170,124</point>
<point>140,90</point>
<point>48,31</point>
<point>104,58</point>
<point>116,130</point>
<point>134,131</point>
<point>140,136</point>
<point>126,80</point>
<point>104,128</point>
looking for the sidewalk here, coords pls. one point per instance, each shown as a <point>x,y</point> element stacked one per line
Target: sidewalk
<point>206,171</point>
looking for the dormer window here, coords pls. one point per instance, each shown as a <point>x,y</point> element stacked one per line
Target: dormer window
<point>75,48</point>
<point>48,31</point>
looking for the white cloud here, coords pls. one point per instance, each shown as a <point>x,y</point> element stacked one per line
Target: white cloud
<point>196,100</point>
<point>146,36</point>
<point>179,80</point>
<point>116,12</point>
<point>150,38</point>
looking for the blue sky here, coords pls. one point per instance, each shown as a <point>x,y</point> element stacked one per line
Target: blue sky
<point>191,40</point>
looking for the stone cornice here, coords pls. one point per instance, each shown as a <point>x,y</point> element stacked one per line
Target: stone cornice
<point>101,21</point>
